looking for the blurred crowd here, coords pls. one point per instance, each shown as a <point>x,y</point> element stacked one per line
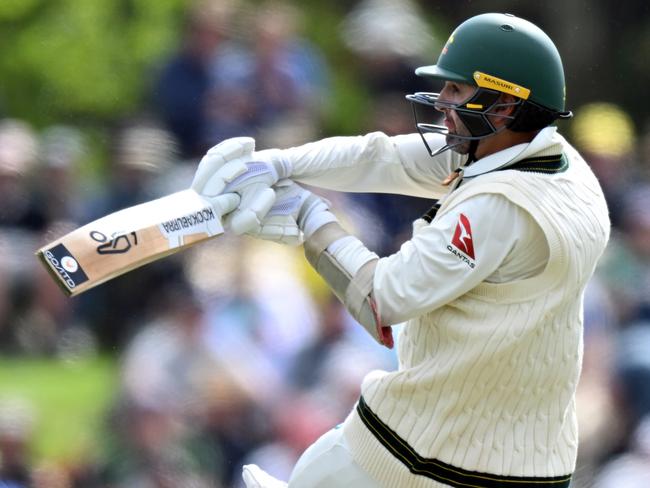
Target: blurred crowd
<point>234,351</point>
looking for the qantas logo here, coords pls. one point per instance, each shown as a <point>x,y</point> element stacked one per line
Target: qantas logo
<point>463,236</point>
<point>463,241</point>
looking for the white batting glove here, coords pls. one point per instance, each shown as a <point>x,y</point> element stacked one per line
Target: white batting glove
<point>225,203</point>
<point>222,164</point>
<point>295,216</point>
<point>234,166</point>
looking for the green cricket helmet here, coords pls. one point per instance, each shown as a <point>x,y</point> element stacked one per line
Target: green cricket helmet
<point>498,53</point>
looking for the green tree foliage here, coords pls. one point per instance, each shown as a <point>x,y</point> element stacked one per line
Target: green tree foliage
<point>80,59</point>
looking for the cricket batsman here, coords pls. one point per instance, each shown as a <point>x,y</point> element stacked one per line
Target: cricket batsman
<point>490,285</point>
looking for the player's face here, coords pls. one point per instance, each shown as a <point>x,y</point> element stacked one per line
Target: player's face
<point>455,93</point>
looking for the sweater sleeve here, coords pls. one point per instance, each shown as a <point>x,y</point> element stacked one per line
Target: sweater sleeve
<point>484,238</point>
<point>373,163</point>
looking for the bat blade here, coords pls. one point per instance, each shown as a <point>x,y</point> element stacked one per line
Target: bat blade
<point>127,239</point>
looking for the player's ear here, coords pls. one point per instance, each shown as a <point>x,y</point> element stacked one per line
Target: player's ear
<point>506,105</point>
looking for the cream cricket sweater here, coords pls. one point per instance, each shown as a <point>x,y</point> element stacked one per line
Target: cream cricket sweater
<point>484,395</point>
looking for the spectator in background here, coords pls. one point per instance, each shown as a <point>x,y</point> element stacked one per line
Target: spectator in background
<point>327,372</point>
<point>321,363</point>
<point>45,319</point>
<point>16,424</point>
<point>21,222</point>
<point>632,375</point>
<point>15,289</point>
<point>644,153</point>
<point>53,475</point>
<point>307,370</point>
<point>61,153</point>
<point>605,134</point>
<point>161,361</point>
<point>18,156</point>
<point>151,451</point>
<point>38,202</point>
<point>252,325</point>
<point>179,93</point>
<point>631,469</point>
<point>163,373</point>
<point>232,422</point>
<point>234,326</point>
<point>296,421</point>
<point>274,86</point>
<point>598,415</point>
<point>291,75</point>
<point>626,264</point>
<point>7,340</point>
<point>389,39</point>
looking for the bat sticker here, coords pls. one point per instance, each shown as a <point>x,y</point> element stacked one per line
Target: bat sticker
<point>65,266</point>
<point>119,244</point>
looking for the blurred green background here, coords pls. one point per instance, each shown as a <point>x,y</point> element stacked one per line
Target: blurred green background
<point>70,398</point>
<point>90,64</point>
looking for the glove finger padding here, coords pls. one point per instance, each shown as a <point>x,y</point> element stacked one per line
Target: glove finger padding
<point>216,158</point>
<point>218,182</point>
<point>224,204</point>
<point>256,201</point>
<point>279,228</point>
<point>257,173</point>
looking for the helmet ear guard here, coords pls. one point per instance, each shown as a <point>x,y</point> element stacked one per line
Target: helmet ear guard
<point>532,116</point>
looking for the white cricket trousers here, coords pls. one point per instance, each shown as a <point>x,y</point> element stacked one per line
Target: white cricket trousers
<point>328,463</point>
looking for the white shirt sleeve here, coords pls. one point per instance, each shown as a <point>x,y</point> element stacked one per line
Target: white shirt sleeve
<point>484,238</point>
<point>374,163</point>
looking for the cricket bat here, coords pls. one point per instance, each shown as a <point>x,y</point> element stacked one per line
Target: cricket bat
<point>129,238</point>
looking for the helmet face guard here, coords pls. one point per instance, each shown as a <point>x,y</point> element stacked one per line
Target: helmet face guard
<point>474,113</point>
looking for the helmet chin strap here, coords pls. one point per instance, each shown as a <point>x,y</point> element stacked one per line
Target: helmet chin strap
<point>471,155</point>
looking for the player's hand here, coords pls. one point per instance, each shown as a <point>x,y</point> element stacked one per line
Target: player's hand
<point>222,164</point>
<point>234,166</point>
<point>296,214</point>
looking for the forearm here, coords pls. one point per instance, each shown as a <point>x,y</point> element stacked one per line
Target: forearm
<point>371,163</point>
<point>347,266</point>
